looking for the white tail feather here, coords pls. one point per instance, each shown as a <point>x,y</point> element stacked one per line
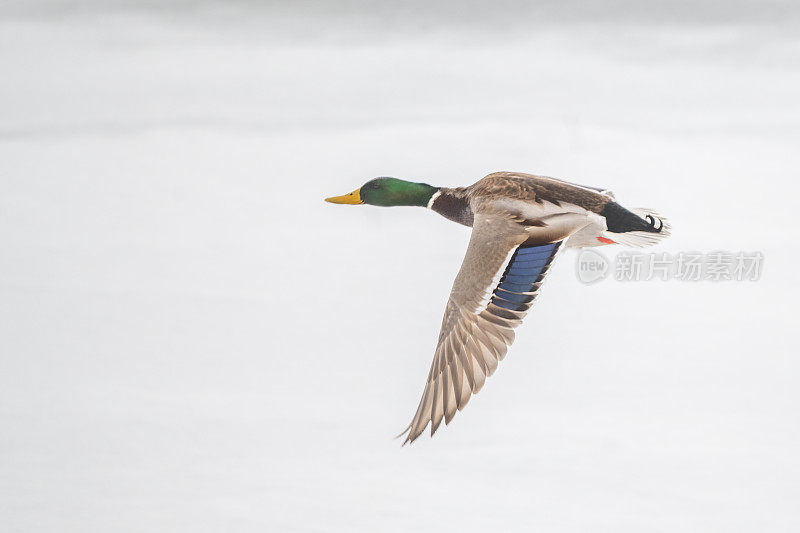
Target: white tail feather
<point>640,239</point>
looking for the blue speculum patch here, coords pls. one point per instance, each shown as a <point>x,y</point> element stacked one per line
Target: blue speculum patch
<point>523,271</point>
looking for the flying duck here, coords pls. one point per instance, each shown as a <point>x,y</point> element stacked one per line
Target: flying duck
<point>520,223</point>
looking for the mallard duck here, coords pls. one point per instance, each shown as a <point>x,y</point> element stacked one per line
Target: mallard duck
<point>520,223</point>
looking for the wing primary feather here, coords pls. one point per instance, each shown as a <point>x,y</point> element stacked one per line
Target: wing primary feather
<point>450,402</point>
<point>480,380</point>
<point>437,412</point>
<point>488,360</point>
<point>465,363</point>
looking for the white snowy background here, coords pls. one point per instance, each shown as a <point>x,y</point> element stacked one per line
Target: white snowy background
<point>192,340</point>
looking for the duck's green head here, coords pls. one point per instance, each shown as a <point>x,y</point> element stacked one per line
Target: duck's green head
<point>387,192</point>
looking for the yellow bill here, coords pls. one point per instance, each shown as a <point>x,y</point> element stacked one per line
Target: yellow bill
<point>352,198</point>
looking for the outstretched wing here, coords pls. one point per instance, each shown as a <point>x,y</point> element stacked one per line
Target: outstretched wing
<point>500,277</point>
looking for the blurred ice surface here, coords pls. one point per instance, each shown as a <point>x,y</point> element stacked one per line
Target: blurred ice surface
<point>191,340</point>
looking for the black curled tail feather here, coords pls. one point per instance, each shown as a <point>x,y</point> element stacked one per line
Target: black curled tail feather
<point>620,220</point>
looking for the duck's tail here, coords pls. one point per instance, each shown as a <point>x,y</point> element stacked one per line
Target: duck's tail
<point>637,228</point>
